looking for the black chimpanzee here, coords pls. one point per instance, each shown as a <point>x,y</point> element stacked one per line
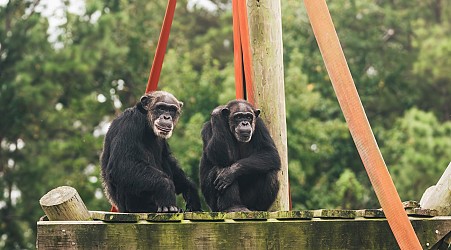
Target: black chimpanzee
<point>240,162</point>
<point>138,170</point>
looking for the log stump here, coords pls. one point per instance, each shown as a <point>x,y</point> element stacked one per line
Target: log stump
<point>438,197</point>
<point>64,204</point>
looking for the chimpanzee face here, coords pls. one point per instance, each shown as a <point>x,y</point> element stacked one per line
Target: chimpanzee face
<point>163,111</point>
<point>241,118</point>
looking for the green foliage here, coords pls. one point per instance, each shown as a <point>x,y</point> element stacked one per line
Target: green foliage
<point>57,98</point>
<point>417,151</point>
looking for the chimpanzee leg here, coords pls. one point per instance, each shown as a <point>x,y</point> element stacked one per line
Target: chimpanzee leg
<point>162,194</point>
<point>230,200</point>
<point>139,204</point>
<point>258,192</point>
<point>211,198</point>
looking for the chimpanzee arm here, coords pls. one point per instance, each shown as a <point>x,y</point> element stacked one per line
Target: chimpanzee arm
<point>141,170</point>
<point>208,174</point>
<point>217,141</point>
<point>264,159</point>
<point>182,184</point>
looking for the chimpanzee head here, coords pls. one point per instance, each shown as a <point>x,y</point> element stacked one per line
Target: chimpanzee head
<point>241,117</point>
<point>163,111</point>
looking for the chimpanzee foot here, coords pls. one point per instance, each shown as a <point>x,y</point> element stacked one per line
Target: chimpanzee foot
<point>238,209</point>
<point>170,209</point>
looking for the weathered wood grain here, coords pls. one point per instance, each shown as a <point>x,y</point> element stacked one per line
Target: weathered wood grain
<point>235,234</point>
<point>265,31</point>
<point>64,203</point>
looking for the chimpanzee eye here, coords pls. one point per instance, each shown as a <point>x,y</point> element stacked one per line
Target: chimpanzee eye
<point>238,117</point>
<point>172,109</point>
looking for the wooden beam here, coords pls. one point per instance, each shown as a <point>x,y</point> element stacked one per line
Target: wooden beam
<point>265,28</point>
<point>238,233</point>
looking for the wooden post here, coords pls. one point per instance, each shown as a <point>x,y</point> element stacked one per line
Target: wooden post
<point>438,197</point>
<point>265,28</point>
<point>64,203</point>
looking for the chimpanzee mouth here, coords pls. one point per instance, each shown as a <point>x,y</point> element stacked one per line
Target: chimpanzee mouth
<point>244,137</point>
<point>165,130</point>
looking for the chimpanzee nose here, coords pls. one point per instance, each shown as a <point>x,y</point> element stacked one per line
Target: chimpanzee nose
<point>166,117</point>
<point>245,123</point>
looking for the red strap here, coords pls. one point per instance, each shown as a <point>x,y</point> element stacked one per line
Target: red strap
<point>237,55</point>
<point>157,64</point>
<point>358,124</point>
<point>242,52</point>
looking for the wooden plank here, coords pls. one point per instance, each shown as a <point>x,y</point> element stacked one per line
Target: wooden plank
<point>117,217</point>
<point>234,234</point>
<point>205,216</point>
<point>334,213</point>
<point>370,213</point>
<point>419,212</point>
<point>410,204</point>
<point>253,215</point>
<point>165,217</point>
<point>292,215</point>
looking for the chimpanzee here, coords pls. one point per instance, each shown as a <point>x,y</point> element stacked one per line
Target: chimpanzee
<point>239,164</point>
<point>138,170</point>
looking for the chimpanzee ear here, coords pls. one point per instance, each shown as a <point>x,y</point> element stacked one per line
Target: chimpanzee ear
<point>181,104</point>
<point>257,112</point>
<point>225,112</point>
<point>145,100</point>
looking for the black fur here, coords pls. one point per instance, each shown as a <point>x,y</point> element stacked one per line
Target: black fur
<point>138,170</point>
<point>238,176</point>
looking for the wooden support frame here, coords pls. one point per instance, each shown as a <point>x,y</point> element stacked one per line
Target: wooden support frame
<point>319,229</point>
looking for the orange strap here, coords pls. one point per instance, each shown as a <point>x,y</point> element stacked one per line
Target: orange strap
<point>359,126</point>
<point>242,52</point>
<point>157,64</point>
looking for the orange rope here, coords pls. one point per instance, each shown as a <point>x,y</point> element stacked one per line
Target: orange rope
<point>242,52</point>
<point>359,126</point>
<point>157,64</point>
<point>237,55</point>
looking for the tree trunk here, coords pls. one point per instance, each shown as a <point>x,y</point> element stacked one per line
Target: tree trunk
<point>265,28</point>
<point>64,203</point>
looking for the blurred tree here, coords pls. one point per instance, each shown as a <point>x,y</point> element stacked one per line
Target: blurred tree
<point>433,66</point>
<point>417,152</point>
<point>24,93</point>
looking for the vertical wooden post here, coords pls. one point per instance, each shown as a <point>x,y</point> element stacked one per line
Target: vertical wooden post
<point>265,28</point>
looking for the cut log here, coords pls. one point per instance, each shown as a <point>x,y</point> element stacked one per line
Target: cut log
<point>64,204</point>
<point>438,197</point>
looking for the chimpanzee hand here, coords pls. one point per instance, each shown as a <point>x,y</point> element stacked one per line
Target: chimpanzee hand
<point>192,201</point>
<point>225,177</point>
<point>169,209</point>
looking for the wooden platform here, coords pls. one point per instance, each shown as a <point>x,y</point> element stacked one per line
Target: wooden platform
<point>312,229</point>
